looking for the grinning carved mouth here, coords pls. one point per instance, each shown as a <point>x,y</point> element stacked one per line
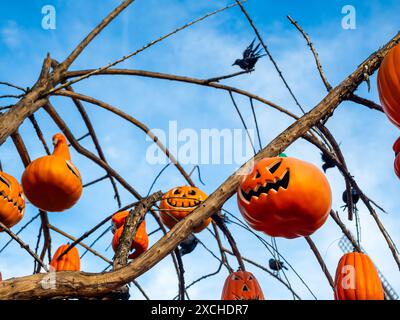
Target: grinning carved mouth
<point>281,183</point>
<point>14,203</point>
<point>183,203</point>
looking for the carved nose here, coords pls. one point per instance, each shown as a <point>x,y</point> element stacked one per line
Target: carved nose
<point>245,288</point>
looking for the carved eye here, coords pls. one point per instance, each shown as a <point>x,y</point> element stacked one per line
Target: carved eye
<point>275,167</point>
<point>236,278</point>
<point>113,227</point>
<point>258,174</point>
<point>192,192</point>
<point>177,191</point>
<point>250,278</point>
<point>73,169</point>
<point>5,181</point>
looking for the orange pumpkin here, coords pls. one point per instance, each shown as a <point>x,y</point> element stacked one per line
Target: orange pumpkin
<point>68,262</point>
<point>357,278</point>
<point>284,197</point>
<point>53,183</point>
<point>396,149</point>
<point>12,200</point>
<point>242,285</point>
<point>141,242</point>
<point>389,85</point>
<point>178,202</point>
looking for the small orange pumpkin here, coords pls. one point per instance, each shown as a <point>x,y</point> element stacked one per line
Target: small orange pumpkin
<point>284,197</point>
<point>242,285</point>
<point>178,202</point>
<point>12,200</point>
<point>389,85</point>
<point>53,183</point>
<point>396,149</point>
<point>357,278</point>
<point>141,242</point>
<point>68,262</point>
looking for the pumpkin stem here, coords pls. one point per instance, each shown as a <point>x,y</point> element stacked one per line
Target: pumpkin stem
<point>61,147</point>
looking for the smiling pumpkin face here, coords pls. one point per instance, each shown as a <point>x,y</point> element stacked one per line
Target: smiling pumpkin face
<point>12,200</point>
<point>178,202</point>
<point>284,197</point>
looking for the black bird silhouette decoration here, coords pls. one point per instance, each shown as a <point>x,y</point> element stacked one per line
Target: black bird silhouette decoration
<point>328,163</point>
<point>355,197</point>
<point>188,245</point>
<point>276,265</point>
<point>250,57</point>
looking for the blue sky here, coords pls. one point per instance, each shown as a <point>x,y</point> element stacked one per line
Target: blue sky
<point>203,51</point>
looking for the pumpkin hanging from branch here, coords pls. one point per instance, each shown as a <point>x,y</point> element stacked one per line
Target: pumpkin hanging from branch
<point>396,149</point>
<point>285,197</point>
<point>357,279</point>
<point>141,241</point>
<point>68,262</point>
<point>12,200</point>
<point>389,85</point>
<point>53,183</point>
<point>178,202</point>
<point>242,285</point>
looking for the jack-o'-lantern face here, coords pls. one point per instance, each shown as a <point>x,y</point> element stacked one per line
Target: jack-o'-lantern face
<point>284,197</point>
<point>12,200</point>
<point>242,285</point>
<point>178,202</point>
<point>265,180</point>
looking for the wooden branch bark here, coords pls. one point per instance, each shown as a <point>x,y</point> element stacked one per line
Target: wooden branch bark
<point>77,284</point>
<point>132,222</point>
<point>320,260</point>
<point>12,119</point>
<point>365,102</point>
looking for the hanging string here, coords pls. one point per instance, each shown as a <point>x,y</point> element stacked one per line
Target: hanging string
<point>198,173</point>
<point>267,246</point>
<point>19,231</point>
<point>256,122</point>
<point>243,122</point>
<point>156,178</point>
<point>97,239</point>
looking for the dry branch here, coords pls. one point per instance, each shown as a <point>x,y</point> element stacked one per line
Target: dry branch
<point>23,245</point>
<point>132,223</point>
<point>321,262</point>
<point>78,284</point>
